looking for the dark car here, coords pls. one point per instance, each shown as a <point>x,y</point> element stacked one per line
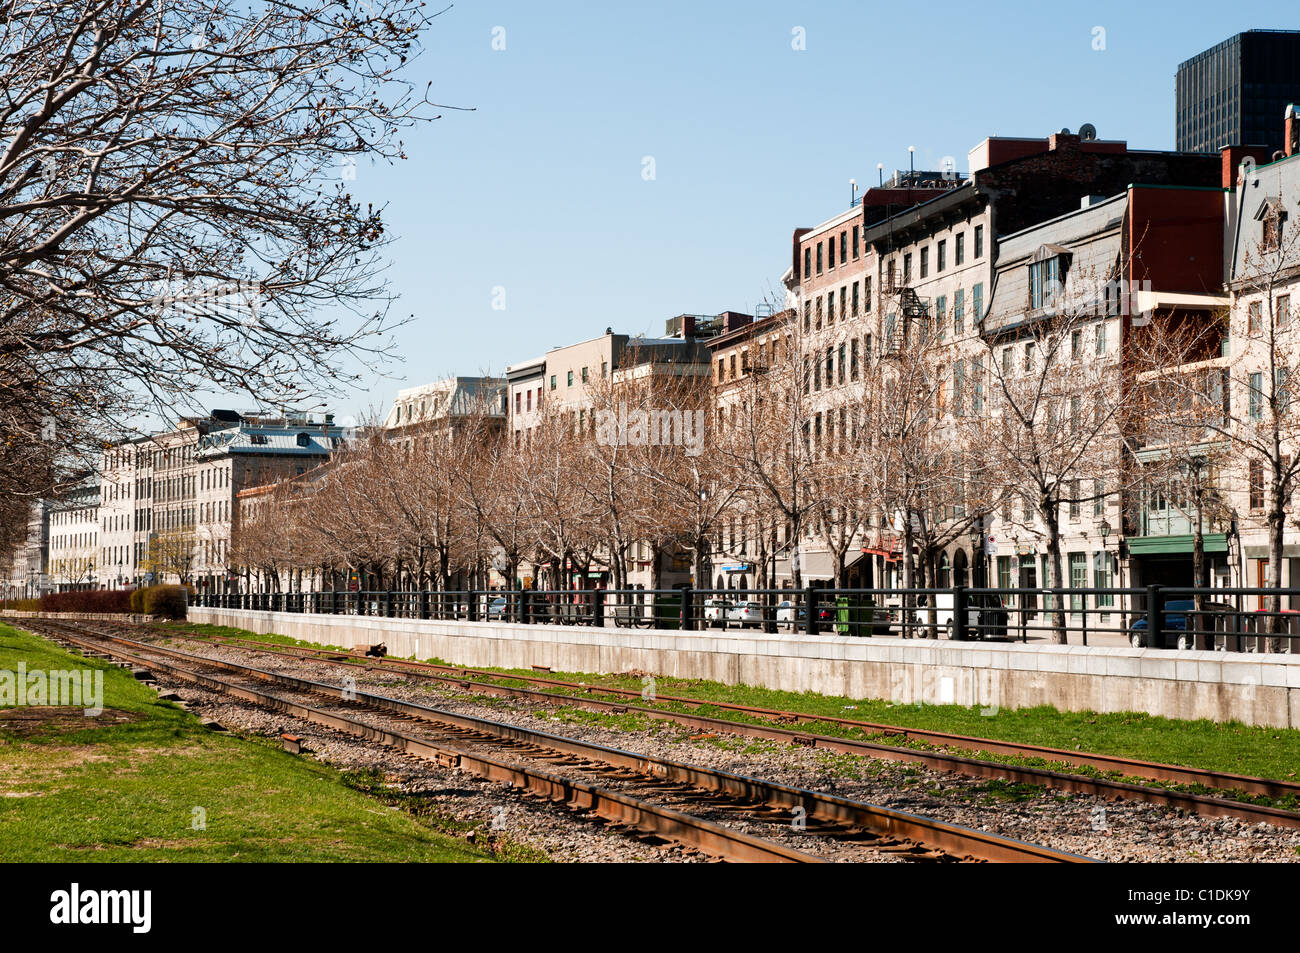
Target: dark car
<point>1175,634</point>
<point>986,617</point>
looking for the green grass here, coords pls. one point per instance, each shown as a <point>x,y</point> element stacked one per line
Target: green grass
<point>1229,747</point>
<point>128,791</point>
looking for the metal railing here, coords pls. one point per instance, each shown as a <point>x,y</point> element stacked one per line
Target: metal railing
<point>1225,619</point>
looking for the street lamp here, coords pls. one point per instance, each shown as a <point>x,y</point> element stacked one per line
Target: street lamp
<point>977,553</point>
<point>880,173</point>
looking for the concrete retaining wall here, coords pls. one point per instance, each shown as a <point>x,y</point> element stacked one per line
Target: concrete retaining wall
<point>1255,689</point>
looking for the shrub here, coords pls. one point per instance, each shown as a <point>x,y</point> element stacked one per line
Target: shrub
<point>87,600</point>
<point>22,605</point>
<point>166,601</point>
<point>137,601</point>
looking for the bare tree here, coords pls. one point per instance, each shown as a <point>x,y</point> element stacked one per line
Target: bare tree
<point>176,204</point>
<point>1059,438</point>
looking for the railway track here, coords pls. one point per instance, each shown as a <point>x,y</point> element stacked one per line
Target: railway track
<point>731,816</point>
<point>1204,804</point>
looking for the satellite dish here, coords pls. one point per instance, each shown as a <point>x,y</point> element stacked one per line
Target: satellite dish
<point>1088,132</point>
<point>1065,130</point>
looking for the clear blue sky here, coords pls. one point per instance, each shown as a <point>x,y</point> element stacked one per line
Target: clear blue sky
<point>540,190</point>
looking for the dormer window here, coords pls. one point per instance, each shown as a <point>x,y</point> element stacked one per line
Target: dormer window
<point>1047,276</point>
<point>304,440</point>
<point>1272,217</point>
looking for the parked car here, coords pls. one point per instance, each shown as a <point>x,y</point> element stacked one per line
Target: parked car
<point>985,615</point>
<point>789,615</point>
<point>746,613</point>
<point>715,611</point>
<point>496,608</point>
<point>1175,634</point>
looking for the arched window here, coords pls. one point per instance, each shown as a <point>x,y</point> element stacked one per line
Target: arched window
<point>944,574</point>
<point>961,574</point>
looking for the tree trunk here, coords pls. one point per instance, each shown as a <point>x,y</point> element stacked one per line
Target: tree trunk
<point>1051,517</point>
<point>1276,523</point>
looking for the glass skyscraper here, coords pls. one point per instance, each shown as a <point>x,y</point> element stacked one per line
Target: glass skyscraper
<point>1237,92</point>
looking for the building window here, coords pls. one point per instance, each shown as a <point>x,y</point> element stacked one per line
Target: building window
<point>1256,480</point>
<point>844,248</point>
<point>1098,499</point>
<point>1253,317</point>
<point>941,256</point>
<point>866,293</point>
<point>979,241</point>
<point>807,263</point>
<point>1078,579</point>
<point>819,312</point>
<point>830,308</point>
<point>959,248</point>
<point>732,362</point>
<point>552,382</point>
<point>1257,396</point>
<point>977,385</point>
<point>1044,282</point>
<point>907,268</point>
<point>1103,577</point>
<point>958,312</point>
<point>925,262</point>
<point>1283,310</point>
<point>841,364</point>
<point>1101,338</point>
<point>722,369</point>
<point>1004,572</point>
<point>855,243</point>
<point>855,299</point>
<point>807,316</point>
<point>1076,344</point>
<point>584,375</point>
<point>853,359</point>
<point>977,304</point>
<point>940,314</point>
<point>819,258</point>
<point>570,379</point>
<point>843,302</point>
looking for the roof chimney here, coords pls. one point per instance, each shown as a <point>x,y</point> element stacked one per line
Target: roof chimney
<point>1292,134</point>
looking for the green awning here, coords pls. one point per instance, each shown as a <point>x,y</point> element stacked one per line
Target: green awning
<point>1157,545</point>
